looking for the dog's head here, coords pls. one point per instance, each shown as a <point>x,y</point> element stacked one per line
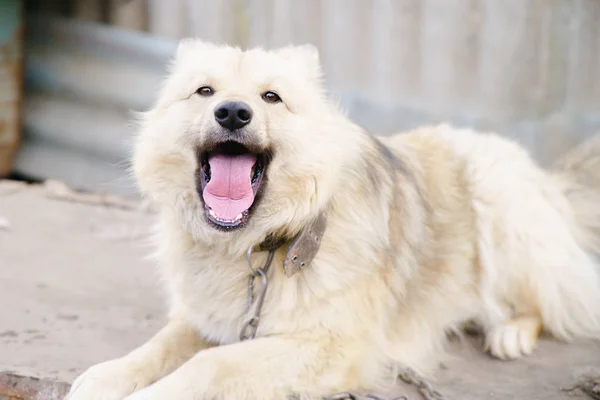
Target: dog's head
<point>241,141</point>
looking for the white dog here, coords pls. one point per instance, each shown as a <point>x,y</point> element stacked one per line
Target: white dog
<point>379,246</point>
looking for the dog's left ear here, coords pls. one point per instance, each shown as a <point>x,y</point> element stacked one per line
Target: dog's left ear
<point>306,55</point>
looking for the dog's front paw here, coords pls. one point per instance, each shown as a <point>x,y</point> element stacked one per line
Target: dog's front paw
<point>143,394</point>
<point>513,339</point>
<point>162,391</point>
<point>149,394</point>
<point>110,380</point>
<point>178,386</point>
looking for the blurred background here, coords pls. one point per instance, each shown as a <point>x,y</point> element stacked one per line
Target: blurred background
<point>70,71</point>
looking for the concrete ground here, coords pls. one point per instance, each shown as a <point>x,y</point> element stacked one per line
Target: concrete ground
<point>75,290</point>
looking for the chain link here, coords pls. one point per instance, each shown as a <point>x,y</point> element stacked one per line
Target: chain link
<point>355,396</point>
<point>250,328</point>
<point>410,377</point>
<point>407,376</point>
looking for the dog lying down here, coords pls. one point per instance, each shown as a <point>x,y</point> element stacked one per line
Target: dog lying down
<point>360,252</point>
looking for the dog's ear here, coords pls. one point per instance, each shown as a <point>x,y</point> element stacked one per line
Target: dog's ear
<point>306,55</point>
<point>191,45</point>
<point>189,50</point>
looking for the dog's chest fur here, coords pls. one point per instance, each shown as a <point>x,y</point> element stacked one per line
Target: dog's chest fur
<point>211,297</point>
<point>212,294</point>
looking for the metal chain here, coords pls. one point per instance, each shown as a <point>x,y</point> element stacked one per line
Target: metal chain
<point>355,396</point>
<point>408,376</point>
<point>250,328</point>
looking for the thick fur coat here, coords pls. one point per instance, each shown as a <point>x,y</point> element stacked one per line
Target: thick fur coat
<point>426,230</point>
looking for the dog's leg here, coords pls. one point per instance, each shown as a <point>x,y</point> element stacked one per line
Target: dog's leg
<point>514,338</point>
<point>271,368</point>
<point>176,343</point>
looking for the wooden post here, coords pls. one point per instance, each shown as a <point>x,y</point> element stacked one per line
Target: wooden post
<point>11,54</point>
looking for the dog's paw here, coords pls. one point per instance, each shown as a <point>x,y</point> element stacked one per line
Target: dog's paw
<point>514,339</point>
<point>110,380</point>
<point>166,389</point>
<point>141,395</point>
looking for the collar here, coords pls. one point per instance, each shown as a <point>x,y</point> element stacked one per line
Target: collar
<point>303,248</point>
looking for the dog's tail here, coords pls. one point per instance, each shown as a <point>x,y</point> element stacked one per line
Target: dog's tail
<point>578,174</point>
<point>570,296</point>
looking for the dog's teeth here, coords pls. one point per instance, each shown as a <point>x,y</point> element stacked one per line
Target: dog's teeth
<point>216,217</point>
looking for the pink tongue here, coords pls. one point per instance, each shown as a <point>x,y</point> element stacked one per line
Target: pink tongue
<point>229,191</point>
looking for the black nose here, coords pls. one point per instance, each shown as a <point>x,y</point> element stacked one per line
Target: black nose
<point>233,115</point>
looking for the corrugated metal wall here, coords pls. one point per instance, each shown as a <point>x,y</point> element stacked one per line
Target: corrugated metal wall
<point>529,69</point>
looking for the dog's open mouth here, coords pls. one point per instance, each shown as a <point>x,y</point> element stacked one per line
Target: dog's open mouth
<point>230,178</point>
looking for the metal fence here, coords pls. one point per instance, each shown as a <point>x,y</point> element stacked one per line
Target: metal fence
<point>528,69</point>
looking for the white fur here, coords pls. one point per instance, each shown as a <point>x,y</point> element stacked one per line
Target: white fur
<point>439,227</point>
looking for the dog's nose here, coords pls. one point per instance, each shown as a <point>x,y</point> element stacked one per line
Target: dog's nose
<point>233,115</point>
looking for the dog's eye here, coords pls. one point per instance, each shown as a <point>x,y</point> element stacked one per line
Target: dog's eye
<point>271,97</point>
<point>205,91</point>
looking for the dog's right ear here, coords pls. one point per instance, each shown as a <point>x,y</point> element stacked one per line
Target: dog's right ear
<point>306,55</point>
<point>190,45</point>
<point>184,46</point>
<point>172,86</point>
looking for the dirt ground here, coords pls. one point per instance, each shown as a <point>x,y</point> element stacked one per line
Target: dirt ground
<point>75,289</point>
